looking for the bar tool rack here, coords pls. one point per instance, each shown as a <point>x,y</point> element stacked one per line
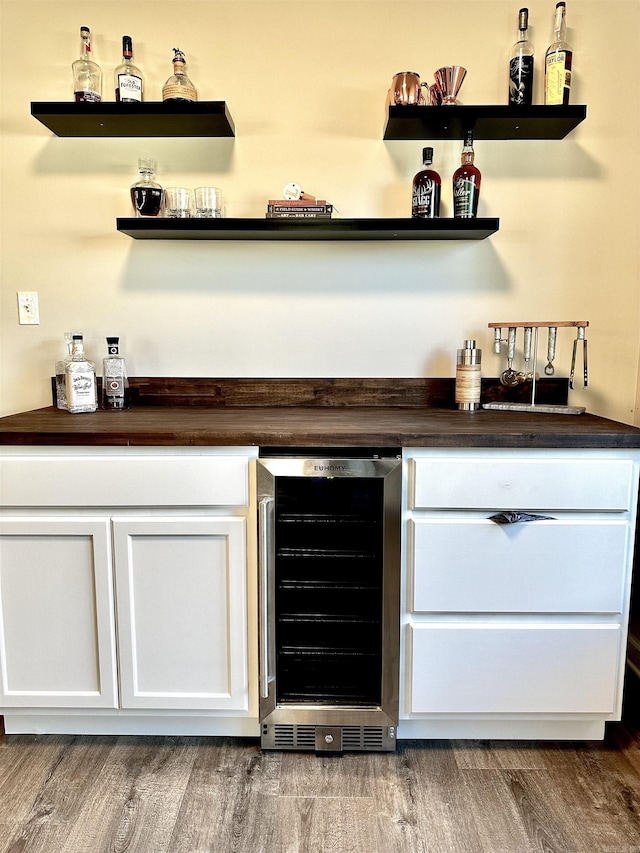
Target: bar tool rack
<point>531,332</point>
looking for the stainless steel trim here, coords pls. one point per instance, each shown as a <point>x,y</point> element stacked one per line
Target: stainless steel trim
<point>263,559</point>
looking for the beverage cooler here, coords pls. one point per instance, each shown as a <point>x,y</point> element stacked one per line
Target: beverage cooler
<point>329,534</point>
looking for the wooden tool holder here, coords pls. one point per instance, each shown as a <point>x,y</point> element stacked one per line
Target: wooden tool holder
<point>535,327</point>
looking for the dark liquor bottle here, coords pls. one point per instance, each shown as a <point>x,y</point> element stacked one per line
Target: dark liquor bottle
<point>425,198</point>
<point>557,63</point>
<point>146,194</point>
<point>114,377</point>
<point>466,183</point>
<point>521,65</point>
<point>179,87</point>
<point>87,76</point>
<point>128,78</point>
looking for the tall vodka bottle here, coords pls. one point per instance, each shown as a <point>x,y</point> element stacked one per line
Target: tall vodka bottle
<point>425,196</point>
<point>179,87</point>
<point>521,65</point>
<point>80,378</point>
<point>466,183</point>
<point>87,76</point>
<point>114,377</point>
<point>128,78</point>
<point>557,63</point>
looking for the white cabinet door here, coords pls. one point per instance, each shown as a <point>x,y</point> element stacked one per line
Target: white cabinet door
<point>514,668</point>
<point>57,637</point>
<point>182,626</point>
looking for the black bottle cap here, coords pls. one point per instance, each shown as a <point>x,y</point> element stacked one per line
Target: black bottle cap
<point>127,44</point>
<point>427,154</point>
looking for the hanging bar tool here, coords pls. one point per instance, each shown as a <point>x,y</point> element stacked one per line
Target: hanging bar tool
<point>579,337</point>
<point>551,350</point>
<point>509,376</point>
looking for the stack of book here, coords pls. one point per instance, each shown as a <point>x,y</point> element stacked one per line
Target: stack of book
<point>283,208</point>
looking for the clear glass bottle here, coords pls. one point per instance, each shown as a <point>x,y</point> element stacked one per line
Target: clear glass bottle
<point>557,63</point>
<point>80,380</point>
<point>466,183</point>
<point>179,87</point>
<point>61,366</point>
<point>87,76</point>
<point>521,65</point>
<point>146,194</point>
<point>114,377</point>
<point>425,196</point>
<point>128,77</point>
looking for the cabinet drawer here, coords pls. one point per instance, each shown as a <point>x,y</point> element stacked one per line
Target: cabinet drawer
<point>562,565</point>
<point>462,668</point>
<point>111,480</point>
<point>518,483</point>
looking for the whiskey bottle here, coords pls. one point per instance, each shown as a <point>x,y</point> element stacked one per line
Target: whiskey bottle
<point>128,78</point>
<point>178,87</point>
<point>87,76</point>
<point>80,380</point>
<point>466,183</point>
<point>521,65</point>
<point>557,63</point>
<point>146,194</point>
<point>114,377</point>
<point>425,198</point>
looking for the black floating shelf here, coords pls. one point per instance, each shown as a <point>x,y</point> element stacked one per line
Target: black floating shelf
<point>301,229</point>
<point>152,118</point>
<point>487,122</point>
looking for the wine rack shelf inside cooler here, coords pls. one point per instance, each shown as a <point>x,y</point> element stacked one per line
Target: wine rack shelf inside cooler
<point>306,229</point>
<point>487,122</point>
<point>151,118</point>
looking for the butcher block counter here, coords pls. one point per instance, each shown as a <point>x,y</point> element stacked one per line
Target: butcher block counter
<point>322,413</point>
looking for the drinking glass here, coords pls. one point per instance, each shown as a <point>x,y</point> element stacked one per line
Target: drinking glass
<point>208,203</point>
<point>178,203</point>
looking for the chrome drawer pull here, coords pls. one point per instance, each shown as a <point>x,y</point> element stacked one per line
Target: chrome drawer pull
<point>514,516</point>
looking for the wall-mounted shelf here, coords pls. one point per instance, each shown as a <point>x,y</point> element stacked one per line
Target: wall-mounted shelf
<point>301,229</point>
<point>152,118</point>
<point>487,122</point>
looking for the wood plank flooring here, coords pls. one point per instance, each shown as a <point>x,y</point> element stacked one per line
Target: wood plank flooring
<point>62,794</point>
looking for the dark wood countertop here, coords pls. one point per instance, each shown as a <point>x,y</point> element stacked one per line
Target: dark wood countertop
<point>300,426</point>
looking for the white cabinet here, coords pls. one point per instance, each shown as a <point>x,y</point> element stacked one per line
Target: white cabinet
<point>522,622</point>
<point>57,639</point>
<point>124,585</point>
<point>182,623</point>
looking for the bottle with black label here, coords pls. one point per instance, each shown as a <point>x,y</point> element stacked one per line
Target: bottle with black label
<point>114,377</point>
<point>521,65</point>
<point>466,183</point>
<point>425,198</point>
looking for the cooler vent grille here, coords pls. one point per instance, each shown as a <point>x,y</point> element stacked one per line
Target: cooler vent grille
<point>356,738</point>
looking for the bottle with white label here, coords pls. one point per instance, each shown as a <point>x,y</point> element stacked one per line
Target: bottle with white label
<point>128,77</point>
<point>114,377</point>
<point>87,76</point>
<point>80,380</point>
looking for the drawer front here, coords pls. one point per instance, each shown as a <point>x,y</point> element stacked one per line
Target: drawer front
<point>517,483</point>
<point>124,481</point>
<point>462,668</point>
<point>564,565</point>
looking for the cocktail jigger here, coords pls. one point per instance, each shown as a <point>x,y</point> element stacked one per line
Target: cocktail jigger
<point>449,79</point>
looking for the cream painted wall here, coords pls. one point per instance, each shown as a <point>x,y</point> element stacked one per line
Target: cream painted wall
<point>305,83</point>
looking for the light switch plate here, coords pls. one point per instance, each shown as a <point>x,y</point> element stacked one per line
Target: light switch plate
<point>28,312</point>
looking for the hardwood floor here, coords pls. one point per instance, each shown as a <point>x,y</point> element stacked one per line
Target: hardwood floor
<point>62,794</point>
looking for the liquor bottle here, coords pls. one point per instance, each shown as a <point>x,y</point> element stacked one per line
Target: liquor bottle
<point>80,380</point>
<point>128,78</point>
<point>146,194</point>
<point>557,63</point>
<point>61,366</point>
<point>521,65</point>
<point>178,87</point>
<point>425,197</point>
<point>87,76</point>
<point>466,183</point>
<point>114,377</point>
